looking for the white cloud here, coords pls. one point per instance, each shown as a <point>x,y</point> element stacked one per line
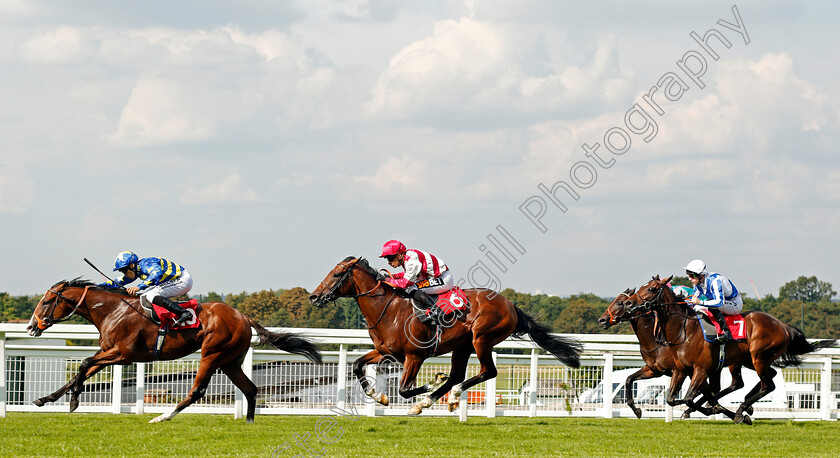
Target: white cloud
<point>231,188</point>
<point>398,174</point>
<point>472,65</point>
<point>62,45</point>
<point>160,112</point>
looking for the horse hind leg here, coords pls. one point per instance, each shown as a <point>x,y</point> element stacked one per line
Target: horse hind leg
<point>202,379</point>
<point>234,372</point>
<point>487,372</point>
<point>372,357</point>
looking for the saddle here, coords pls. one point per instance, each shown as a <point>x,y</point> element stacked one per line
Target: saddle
<point>711,328</point>
<point>166,319</point>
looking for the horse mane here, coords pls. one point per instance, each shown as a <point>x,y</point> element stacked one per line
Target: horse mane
<point>80,282</point>
<point>365,266</point>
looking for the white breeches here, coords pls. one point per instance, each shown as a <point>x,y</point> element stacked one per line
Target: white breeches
<point>732,307</point>
<point>444,284</point>
<point>171,288</point>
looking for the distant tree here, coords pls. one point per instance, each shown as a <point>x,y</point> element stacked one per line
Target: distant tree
<point>261,305</point>
<point>213,296</point>
<point>681,281</point>
<point>807,289</point>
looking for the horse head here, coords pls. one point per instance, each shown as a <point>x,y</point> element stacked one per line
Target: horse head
<point>622,308</point>
<point>653,292</point>
<point>340,282</point>
<point>58,304</point>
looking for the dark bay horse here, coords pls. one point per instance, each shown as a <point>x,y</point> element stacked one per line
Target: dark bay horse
<point>672,344</point>
<point>397,334</point>
<point>127,335</point>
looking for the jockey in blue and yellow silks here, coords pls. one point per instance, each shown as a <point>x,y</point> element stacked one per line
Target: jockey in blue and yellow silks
<point>162,279</point>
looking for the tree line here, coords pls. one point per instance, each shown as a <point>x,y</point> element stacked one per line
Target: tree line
<point>805,303</point>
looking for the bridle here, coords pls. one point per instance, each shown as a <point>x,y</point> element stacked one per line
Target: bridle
<point>656,301</point>
<point>332,295</point>
<point>48,316</point>
<point>628,313</point>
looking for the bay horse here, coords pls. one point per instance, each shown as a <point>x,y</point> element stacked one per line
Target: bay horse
<point>127,335</point>
<point>672,343</point>
<point>397,334</point>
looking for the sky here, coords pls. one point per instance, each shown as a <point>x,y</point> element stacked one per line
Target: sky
<point>258,143</point>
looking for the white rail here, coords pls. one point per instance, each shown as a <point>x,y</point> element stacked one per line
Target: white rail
<point>289,384</point>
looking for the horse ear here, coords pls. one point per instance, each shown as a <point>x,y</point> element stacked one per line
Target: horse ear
<point>628,291</point>
<point>665,281</point>
<point>656,277</point>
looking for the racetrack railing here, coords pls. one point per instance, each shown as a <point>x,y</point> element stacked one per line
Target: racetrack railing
<point>289,384</point>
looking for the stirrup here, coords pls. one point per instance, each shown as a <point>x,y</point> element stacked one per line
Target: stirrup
<point>183,318</point>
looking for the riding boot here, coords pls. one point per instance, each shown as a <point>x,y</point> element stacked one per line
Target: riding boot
<point>725,334</point>
<point>172,306</point>
<point>432,313</point>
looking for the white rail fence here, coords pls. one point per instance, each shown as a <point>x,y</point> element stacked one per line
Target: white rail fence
<point>289,384</point>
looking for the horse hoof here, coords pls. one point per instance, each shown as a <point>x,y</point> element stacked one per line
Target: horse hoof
<point>454,405</point>
<point>747,420</point>
<point>638,412</point>
<point>686,415</point>
<point>74,404</point>
<point>39,402</point>
<point>440,377</point>
<point>415,409</point>
<point>739,418</point>
<point>382,399</point>
<point>158,419</point>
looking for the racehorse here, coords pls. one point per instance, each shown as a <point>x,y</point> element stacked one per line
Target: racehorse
<point>672,344</point>
<point>397,334</point>
<point>127,335</point>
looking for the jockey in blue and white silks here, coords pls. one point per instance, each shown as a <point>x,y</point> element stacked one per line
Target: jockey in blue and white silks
<point>713,292</point>
<point>162,280</point>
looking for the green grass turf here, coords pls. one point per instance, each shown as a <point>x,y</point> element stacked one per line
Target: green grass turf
<point>27,434</point>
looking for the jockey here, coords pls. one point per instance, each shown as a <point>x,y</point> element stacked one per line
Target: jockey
<point>720,295</point>
<point>162,279</point>
<point>424,274</point>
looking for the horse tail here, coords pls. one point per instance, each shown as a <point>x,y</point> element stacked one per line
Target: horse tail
<point>799,345</point>
<point>565,350</point>
<point>289,342</point>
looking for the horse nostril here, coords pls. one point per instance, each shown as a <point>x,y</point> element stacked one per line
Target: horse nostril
<point>313,297</point>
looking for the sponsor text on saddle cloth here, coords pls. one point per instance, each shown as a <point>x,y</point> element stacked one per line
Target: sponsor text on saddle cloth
<point>167,318</point>
<point>736,325</point>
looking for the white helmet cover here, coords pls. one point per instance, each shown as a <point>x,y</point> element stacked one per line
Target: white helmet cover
<point>697,267</point>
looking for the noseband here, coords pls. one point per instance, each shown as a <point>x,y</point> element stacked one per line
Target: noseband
<point>332,295</point>
<point>48,317</point>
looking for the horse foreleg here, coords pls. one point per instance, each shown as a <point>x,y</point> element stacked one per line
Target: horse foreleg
<point>641,374</point>
<point>205,372</point>
<point>457,374</point>
<point>369,388</point>
<point>61,391</point>
<point>91,366</point>
<point>234,372</point>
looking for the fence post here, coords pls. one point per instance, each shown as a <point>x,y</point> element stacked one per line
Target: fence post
<point>370,373</point>
<point>2,374</point>
<point>669,409</point>
<point>248,369</point>
<point>607,385</point>
<point>141,387</point>
<point>490,393</point>
<point>341,378</point>
<point>825,390</point>
<point>116,389</point>
<point>532,383</point>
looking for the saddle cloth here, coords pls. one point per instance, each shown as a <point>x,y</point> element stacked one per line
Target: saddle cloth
<point>164,317</point>
<point>452,300</point>
<point>711,328</point>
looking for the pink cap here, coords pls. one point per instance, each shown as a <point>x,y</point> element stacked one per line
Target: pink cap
<point>391,248</point>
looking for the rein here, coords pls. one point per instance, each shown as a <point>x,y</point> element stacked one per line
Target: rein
<point>48,317</point>
<point>331,295</point>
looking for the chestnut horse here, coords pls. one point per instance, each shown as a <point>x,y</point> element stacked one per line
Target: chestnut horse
<point>675,346</point>
<point>127,335</point>
<point>397,334</point>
